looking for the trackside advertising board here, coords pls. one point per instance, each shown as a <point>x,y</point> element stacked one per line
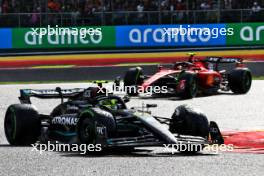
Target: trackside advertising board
<point>5,38</point>
<point>26,38</point>
<point>246,34</point>
<point>240,34</point>
<point>170,35</point>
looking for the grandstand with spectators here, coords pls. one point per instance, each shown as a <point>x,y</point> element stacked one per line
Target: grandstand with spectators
<point>23,13</point>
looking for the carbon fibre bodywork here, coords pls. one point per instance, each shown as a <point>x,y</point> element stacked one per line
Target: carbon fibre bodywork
<point>112,126</point>
<point>208,78</point>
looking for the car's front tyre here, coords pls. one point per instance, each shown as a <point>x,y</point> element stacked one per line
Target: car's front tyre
<point>188,121</point>
<point>190,88</point>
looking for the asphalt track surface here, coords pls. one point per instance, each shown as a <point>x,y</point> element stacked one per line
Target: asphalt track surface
<point>232,112</point>
<point>92,73</point>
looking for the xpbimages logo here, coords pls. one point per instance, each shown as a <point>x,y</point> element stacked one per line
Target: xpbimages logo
<point>58,147</point>
<point>197,31</point>
<point>193,147</point>
<point>145,91</point>
<point>174,35</point>
<point>61,31</point>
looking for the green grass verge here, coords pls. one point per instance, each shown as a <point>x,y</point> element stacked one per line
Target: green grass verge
<point>258,78</point>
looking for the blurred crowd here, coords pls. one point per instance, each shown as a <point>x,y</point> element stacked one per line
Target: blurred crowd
<point>88,8</point>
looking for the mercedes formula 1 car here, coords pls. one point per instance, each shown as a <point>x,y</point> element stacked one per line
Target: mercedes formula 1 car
<point>186,79</point>
<point>92,117</point>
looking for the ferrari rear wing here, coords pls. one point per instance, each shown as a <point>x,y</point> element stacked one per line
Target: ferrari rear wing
<point>222,60</point>
<point>25,94</point>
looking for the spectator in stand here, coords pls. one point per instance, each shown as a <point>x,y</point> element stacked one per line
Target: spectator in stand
<point>88,8</point>
<point>256,12</point>
<point>165,5</point>
<point>150,5</point>
<point>228,4</point>
<point>179,6</point>
<point>256,8</point>
<point>140,9</point>
<point>75,15</point>
<point>5,7</point>
<point>204,16</point>
<point>205,5</point>
<point>53,6</point>
<point>34,18</point>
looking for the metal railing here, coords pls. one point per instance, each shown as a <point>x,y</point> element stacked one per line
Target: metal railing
<point>130,18</point>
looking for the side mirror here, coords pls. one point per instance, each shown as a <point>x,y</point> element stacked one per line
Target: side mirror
<point>116,85</point>
<point>126,99</point>
<point>58,89</point>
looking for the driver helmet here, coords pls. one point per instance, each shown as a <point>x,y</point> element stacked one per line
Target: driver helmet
<point>191,57</point>
<point>110,103</point>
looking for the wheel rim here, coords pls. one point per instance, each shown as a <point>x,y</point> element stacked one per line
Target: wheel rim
<point>87,131</point>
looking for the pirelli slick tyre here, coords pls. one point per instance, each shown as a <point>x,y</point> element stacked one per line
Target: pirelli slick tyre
<point>240,80</point>
<point>133,77</point>
<point>188,121</point>
<point>22,124</point>
<point>191,85</point>
<point>90,121</point>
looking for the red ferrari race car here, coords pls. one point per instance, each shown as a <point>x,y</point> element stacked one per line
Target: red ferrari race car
<point>187,79</point>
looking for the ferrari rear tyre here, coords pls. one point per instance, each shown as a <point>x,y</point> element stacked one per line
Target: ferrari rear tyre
<point>240,80</point>
<point>22,124</point>
<point>132,79</point>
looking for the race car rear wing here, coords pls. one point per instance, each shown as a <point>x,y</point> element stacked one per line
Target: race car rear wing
<point>223,60</point>
<point>216,61</point>
<point>25,94</point>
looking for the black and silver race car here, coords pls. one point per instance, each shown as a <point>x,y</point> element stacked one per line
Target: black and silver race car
<point>89,116</point>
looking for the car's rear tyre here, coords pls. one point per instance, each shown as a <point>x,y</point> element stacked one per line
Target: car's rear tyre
<point>240,80</point>
<point>22,124</point>
<point>188,121</point>
<point>191,85</point>
<point>133,78</point>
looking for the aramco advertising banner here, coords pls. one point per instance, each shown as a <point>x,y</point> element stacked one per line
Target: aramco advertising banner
<point>192,35</point>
